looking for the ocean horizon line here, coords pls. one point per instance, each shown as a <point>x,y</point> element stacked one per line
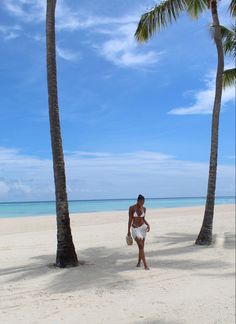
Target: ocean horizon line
<point>19,209</point>
<point>111,199</point>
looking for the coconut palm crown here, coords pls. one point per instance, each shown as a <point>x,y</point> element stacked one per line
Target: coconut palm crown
<point>158,18</point>
<point>169,11</point>
<point>229,46</point>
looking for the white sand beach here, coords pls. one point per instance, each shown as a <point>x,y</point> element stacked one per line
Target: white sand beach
<point>186,284</point>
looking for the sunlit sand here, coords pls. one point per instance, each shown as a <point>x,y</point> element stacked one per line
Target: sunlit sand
<point>186,283</point>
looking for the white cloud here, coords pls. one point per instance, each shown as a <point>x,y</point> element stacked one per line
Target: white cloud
<point>93,175</point>
<point>68,54</point>
<point>118,45</point>
<point>34,11</point>
<point>10,32</point>
<point>122,48</point>
<point>72,20</point>
<point>204,99</point>
<point>23,177</point>
<point>26,10</point>
<point>67,18</point>
<point>4,188</point>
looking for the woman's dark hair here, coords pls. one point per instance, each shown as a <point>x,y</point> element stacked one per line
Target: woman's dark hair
<point>140,197</point>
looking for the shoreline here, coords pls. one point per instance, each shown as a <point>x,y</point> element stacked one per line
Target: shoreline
<point>26,223</point>
<point>72,214</point>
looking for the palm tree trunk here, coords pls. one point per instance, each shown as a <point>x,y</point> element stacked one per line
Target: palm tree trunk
<point>66,255</point>
<point>205,235</point>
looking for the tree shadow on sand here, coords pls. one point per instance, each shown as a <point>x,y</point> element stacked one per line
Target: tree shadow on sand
<point>229,240</point>
<point>171,242</point>
<point>102,268</point>
<point>155,321</point>
<point>176,238</point>
<point>106,267</point>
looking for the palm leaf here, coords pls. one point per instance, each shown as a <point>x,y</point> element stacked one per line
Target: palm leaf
<point>166,12</point>
<point>229,40</point>
<point>232,8</point>
<point>225,32</point>
<point>158,17</point>
<point>229,77</point>
<point>196,7</point>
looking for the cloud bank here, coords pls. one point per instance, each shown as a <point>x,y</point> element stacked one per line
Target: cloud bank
<point>204,99</point>
<point>95,175</point>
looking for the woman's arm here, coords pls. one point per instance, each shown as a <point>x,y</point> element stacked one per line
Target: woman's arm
<point>148,229</point>
<point>130,220</point>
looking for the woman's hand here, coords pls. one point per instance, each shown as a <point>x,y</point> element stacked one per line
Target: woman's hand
<point>129,234</point>
<point>148,228</point>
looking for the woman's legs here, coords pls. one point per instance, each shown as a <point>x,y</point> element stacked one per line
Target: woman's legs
<point>139,257</point>
<point>140,243</point>
<point>145,263</point>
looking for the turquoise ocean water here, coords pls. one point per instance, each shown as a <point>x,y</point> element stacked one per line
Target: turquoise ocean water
<point>24,209</point>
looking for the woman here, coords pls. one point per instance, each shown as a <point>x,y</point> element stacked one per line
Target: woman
<point>139,228</point>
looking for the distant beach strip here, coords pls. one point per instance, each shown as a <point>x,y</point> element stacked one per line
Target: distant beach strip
<point>42,208</point>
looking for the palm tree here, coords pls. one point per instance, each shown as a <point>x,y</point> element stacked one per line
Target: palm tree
<point>229,45</point>
<point>153,21</point>
<point>66,255</point>
<point>223,78</point>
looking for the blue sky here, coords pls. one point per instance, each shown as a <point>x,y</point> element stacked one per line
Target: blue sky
<point>135,118</point>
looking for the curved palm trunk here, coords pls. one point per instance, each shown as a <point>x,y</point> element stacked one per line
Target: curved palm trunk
<point>66,255</point>
<point>205,235</point>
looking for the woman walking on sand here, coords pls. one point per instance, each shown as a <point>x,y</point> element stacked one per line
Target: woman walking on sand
<point>139,227</point>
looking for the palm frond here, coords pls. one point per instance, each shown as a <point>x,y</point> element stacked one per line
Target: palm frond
<point>196,7</point>
<point>225,32</point>
<point>158,17</point>
<point>229,40</point>
<point>229,78</point>
<point>232,8</point>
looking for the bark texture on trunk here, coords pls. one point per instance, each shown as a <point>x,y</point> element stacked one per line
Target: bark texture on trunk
<point>205,235</point>
<point>66,255</point>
